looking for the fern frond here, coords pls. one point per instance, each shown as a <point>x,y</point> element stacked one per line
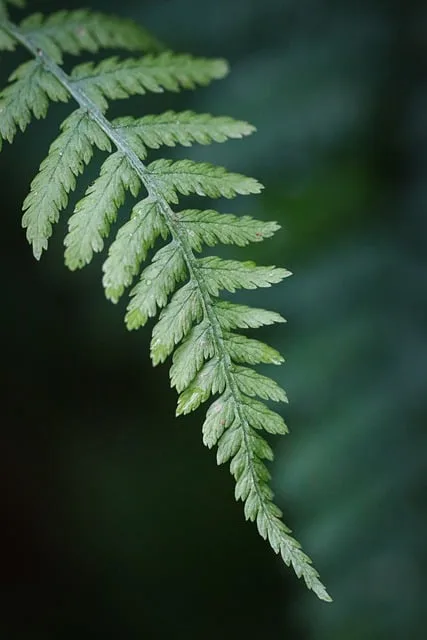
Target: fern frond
<point>238,316</point>
<point>231,275</point>
<point>94,214</point>
<point>114,79</point>
<point>184,309</point>
<point>67,158</point>
<point>191,354</point>
<point>29,94</point>
<point>210,228</point>
<point>243,349</point>
<point>201,178</point>
<point>209,380</point>
<point>73,32</point>
<point>197,329</point>
<point>157,281</point>
<point>259,416</point>
<point>185,128</point>
<point>131,246</point>
<point>254,384</point>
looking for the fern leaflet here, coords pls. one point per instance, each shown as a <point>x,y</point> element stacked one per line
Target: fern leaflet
<point>73,32</point>
<point>68,155</point>
<point>195,327</point>
<point>183,128</point>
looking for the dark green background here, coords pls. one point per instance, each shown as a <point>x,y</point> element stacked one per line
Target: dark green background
<point>117,522</point>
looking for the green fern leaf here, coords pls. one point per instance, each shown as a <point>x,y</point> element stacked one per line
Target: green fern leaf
<point>194,327</point>
<point>219,417</point>
<point>187,177</point>
<point>238,316</point>
<point>229,444</point>
<point>94,215</point>
<point>176,320</point>
<point>185,128</point>
<point>251,486</point>
<point>252,383</point>
<point>68,155</point>
<point>75,31</point>
<point>259,416</point>
<point>231,275</point>
<point>189,357</point>
<point>210,228</point>
<point>29,93</point>
<point>130,247</point>
<point>114,79</point>
<point>157,282</point>
<point>243,349</point>
<point>208,381</point>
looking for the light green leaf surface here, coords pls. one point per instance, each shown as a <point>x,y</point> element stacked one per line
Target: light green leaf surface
<point>94,214</point>
<point>176,320</point>
<point>187,177</point>
<point>211,228</point>
<point>231,275</point>
<point>114,79</point>
<point>29,93</point>
<point>67,158</point>
<point>172,128</point>
<point>131,246</point>
<point>209,380</point>
<point>73,32</point>
<point>190,355</point>
<point>157,281</point>
<point>238,316</point>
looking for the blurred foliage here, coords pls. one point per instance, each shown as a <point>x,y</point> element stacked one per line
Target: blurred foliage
<point>118,521</point>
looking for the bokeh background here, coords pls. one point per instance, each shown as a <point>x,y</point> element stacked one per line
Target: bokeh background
<point>117,522</point>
